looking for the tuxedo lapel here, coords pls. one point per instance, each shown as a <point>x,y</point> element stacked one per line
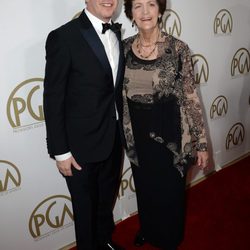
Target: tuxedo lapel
<point>89,34</point>
<point>121,60</point>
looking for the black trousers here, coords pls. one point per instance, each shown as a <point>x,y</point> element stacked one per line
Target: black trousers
<point>93,192</point>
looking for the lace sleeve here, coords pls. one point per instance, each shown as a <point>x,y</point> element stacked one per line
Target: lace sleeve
<point>192,103</point>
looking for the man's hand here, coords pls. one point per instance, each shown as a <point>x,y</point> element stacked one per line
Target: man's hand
<point>65,166</point>
<point>202,159</point>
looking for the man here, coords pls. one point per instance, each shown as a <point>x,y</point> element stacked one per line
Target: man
<point>82,87</point>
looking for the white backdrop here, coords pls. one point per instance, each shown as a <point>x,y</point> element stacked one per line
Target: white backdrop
<point>36,210</point>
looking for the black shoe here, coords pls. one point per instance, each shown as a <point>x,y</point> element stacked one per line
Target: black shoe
<point>139,239</point>
<point>172,248</point>
<point>110,246</point>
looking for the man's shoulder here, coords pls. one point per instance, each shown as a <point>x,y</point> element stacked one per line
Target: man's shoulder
<point>67,26</point>
<point>65,31</point>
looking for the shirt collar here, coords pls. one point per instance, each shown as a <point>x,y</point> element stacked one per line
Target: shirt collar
<point>96,22</point>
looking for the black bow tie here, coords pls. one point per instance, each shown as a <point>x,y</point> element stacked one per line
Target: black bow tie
<point>113,26</point>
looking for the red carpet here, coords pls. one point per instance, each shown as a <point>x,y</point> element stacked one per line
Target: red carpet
<point>218,213</point>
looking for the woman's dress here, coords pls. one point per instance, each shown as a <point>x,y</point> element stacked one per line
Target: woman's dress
<point>159,186</point>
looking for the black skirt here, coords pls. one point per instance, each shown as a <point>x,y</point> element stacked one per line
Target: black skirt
<point>160,189</point>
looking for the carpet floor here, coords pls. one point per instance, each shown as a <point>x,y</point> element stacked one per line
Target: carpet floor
<point>218,213</point>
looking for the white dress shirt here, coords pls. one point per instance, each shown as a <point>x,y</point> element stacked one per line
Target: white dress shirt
<point>111,46</point>
<point>109,41</point>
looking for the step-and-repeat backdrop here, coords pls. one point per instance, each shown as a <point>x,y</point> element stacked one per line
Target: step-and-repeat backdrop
<point>36,210</point>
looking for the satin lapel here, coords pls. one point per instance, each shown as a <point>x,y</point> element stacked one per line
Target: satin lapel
<point>89,34</point>
<point>120,70</point>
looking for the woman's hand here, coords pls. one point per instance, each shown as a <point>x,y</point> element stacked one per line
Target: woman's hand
<point>202,159</point>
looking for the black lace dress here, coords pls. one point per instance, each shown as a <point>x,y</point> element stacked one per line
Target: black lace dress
<point>159,186</point>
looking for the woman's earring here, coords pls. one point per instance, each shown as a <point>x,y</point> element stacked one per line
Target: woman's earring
<point>159,19</point>
<point>133,23</point>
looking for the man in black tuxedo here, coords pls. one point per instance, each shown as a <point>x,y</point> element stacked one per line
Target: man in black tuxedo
<point>82,88</point>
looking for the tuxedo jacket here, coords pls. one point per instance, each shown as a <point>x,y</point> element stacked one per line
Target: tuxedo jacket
<point>79,93</point>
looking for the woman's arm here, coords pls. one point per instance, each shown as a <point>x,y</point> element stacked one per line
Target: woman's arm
<point>193,108</point>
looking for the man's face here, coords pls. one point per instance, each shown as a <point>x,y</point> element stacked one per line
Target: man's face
<point>102,9</point>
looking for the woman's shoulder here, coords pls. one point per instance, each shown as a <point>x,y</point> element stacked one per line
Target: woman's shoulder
<point>178,44</point>
<point>127,43</point>
<point>129,40</point>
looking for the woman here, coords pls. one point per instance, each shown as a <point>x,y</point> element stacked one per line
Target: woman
<point>162,123</point>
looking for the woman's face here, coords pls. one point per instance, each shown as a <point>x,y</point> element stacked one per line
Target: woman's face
<point>145,14</point>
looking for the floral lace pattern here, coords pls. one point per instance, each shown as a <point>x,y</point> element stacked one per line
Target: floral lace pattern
<point>172,75</point>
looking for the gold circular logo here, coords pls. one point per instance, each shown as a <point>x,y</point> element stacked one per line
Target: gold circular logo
<point>171,23</point>
<point>235,136</point>
<point>76,15</point>
<point>223,22</point>
<point>201,68</point>
<point>240,63</point>
<point>219,107</point>
<point>53,213</point>
<point>10,177</point>
<point>24,105</point>
<point>127,182</point>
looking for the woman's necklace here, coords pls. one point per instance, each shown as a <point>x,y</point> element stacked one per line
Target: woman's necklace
<point>140,45</point>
